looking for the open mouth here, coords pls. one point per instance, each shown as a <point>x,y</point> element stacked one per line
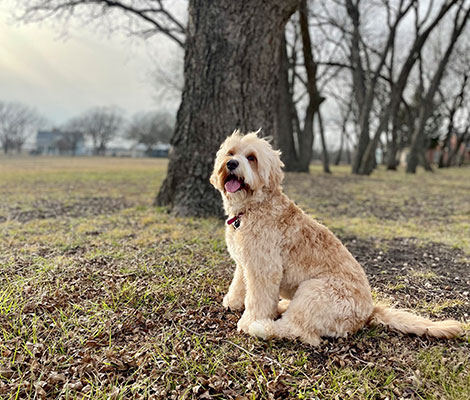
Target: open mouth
<point>233,184</point>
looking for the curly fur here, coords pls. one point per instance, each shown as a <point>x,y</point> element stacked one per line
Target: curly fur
<point>280,252</point>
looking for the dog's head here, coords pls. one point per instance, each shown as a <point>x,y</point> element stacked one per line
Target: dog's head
<point>246,165</point>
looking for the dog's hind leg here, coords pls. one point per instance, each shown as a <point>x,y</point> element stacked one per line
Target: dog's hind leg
<point>320,307</point>
<point>282,328</point>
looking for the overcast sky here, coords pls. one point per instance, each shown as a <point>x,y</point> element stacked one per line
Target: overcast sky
<point>63,76</point>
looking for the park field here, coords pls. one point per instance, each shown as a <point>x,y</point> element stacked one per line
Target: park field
<point>104,296</point>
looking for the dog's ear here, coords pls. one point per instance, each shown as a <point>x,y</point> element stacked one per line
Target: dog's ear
<point>214,180</point>
<point>271,166</point>
<point>275,174</point>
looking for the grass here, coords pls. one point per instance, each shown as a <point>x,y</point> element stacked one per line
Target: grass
<point>103,296</point>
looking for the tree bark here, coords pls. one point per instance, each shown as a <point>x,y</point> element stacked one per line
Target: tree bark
<point>231,72</point>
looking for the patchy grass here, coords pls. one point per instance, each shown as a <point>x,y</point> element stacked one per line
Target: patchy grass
<point>103,296</point>
<point>432,207</point>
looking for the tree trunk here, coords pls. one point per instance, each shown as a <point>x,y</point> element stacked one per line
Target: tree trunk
<point>368,162</point>
<point>325,158</point>
<point>231,72</point>
<point>456,150</point>
<point>286,108</point>
<point>359,80</point>
<point>340,150</point>
<point>306,135</point>
<point>392,152</point>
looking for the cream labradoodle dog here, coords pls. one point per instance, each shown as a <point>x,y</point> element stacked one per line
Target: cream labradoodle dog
<point>280,252</point>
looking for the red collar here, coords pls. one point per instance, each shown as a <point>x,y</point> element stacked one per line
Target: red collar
<point>235,221</point>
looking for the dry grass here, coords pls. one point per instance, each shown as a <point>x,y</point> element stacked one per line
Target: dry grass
<point>103,296</point>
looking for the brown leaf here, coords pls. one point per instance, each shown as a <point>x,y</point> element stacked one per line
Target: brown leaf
<point>6,372</point>
<point>54,377</point>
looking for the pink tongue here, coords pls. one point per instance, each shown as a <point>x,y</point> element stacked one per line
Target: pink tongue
<point>232,185</point>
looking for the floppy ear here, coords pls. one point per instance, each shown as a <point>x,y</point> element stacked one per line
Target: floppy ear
<point>275,174</point>
<point>214,180</point>
<point>271,166</point>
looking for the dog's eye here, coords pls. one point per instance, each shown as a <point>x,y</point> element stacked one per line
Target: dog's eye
<point>251,158</point>
<point>230,153</point>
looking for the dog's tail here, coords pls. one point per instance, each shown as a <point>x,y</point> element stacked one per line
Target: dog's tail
<point>407,322</point>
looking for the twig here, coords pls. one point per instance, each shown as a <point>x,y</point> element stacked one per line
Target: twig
<point>252,354</point>
<point>271,360</point>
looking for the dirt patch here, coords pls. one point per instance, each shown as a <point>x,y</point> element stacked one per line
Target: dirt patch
<point>83,207</point>
<point>412,275</point>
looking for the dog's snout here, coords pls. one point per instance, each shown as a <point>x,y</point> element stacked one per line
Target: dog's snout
<point>232,164</point>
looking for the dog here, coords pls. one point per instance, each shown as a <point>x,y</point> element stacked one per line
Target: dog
<point>288,264</point>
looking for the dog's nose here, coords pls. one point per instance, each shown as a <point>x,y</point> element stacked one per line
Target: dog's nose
<point>232,164</point>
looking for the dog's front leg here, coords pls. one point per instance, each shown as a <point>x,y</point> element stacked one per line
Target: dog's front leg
<point>235,298</point>
<point>262,291</point>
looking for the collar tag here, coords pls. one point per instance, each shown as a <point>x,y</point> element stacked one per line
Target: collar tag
<point>235,221</point>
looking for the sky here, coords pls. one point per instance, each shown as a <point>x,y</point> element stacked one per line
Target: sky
<point>63,75</point>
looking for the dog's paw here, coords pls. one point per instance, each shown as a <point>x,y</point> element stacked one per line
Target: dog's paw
<point>257,329</point>
<point>233,304</point>
<point>244,322</point>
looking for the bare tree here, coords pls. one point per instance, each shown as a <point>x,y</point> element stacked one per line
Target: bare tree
<point>424,27</point>
<point>150,129</point>
<point>17,122</point>
<point>101,125</point>
<point>454,100</point>
<point>299,95</point>
<point>417,142</point>
<point>364,34</point>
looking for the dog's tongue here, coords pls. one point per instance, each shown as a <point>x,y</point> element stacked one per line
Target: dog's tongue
<point>232,185</point>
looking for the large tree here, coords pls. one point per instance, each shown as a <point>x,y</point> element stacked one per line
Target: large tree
<point>231,81</point>
<point>231,73</point>
<point>417,140</point>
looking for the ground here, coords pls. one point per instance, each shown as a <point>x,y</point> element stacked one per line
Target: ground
<point>103,296</point>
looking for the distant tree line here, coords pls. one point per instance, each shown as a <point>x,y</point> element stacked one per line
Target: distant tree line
<point>100,125</point>
<point>396,72</point>
<point>17,122</point>
<point>103,124</point>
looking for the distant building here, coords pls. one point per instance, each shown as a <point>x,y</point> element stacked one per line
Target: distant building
<point>57,142</point>
<point>160,150</point>
<point>139,150</point>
